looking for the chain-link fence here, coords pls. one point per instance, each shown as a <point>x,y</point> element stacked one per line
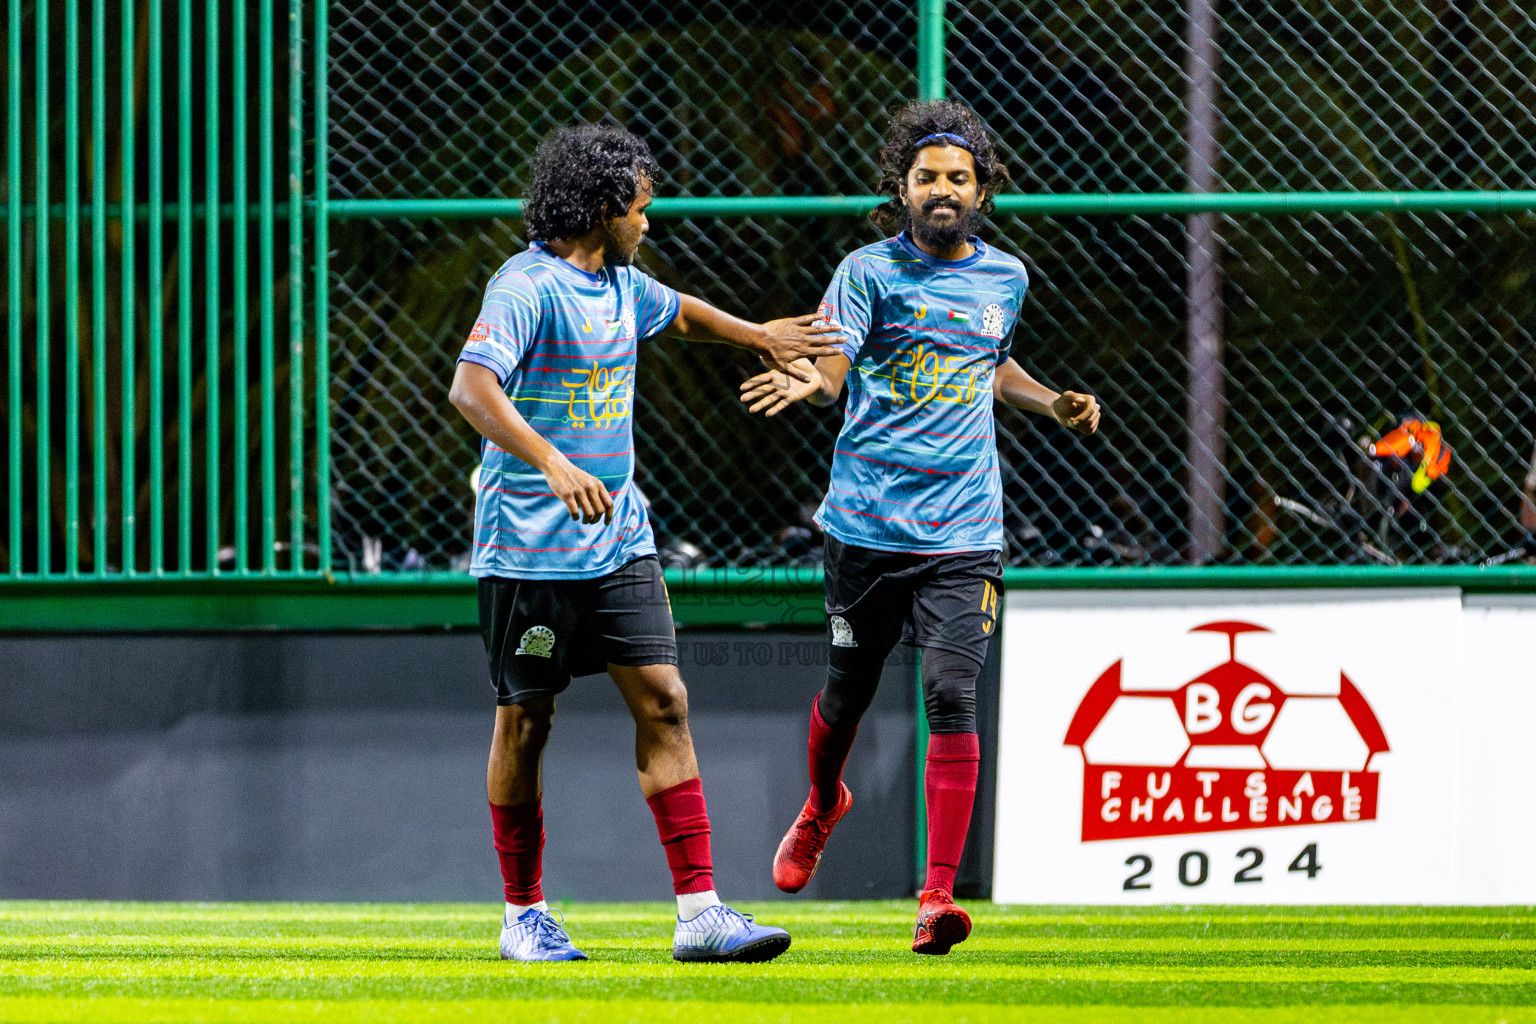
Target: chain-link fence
<point>1335,325</point>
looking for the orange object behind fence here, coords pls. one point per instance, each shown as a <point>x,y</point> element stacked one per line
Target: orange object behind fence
<point>1420,444</point>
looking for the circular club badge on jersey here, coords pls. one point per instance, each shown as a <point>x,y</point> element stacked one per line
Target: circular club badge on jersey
<point>628,316</point>
<point>992,321</point>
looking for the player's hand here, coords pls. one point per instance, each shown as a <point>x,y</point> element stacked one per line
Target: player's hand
<point>1077,411</point>
<point>584,494</point>
<point>798,337</point>
<point>772,392</point>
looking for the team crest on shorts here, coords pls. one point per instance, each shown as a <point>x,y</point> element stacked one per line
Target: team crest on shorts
<point>842,633</point>
<point>539,641</point>
<point>992,320</point>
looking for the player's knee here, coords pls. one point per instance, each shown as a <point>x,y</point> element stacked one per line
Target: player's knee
<point>951,707</point>
<point>525,726</point>
<point>949,691</point>
<point>848,694</point>
<point>842,710</point>
<point>666,702</point>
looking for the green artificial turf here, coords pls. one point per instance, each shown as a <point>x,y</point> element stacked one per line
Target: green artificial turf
<point>849,962</point>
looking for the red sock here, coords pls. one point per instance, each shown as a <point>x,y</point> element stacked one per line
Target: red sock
<point>828,749</point>
<point>950,784</point>
<point>683,824</point>
<point>519,840</point>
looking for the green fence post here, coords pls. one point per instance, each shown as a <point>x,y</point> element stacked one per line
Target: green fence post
<point>264,263</point>
<point>240,287</point>
<point>42,227</point>
<point>211,290</point>
<point>156,113</point>
<point>130,357</point>
<point>322,290</point>
<point>184,286</point>
<point>930,86</point>
<point>71,288</point>
<point>99,286</point>
<point>13,273</point>
<point>296,285</point>
<point>920,793</point>
<point>930,50</point>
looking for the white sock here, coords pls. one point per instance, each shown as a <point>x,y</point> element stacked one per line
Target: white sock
<point>514,911</point>
<point>691,904</point>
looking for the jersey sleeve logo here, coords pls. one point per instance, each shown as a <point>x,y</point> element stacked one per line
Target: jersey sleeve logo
<point>992,321</point>
<point>480,332</point>
<point>538,641</point>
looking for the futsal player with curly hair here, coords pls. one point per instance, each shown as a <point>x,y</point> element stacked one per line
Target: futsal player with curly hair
<point>913,512</point>
<point>569,582</point>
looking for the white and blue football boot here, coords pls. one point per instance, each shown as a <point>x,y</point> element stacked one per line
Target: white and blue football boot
<point>537,935</point>
<point>722,935</point>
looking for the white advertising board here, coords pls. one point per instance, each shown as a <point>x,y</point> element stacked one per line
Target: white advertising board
<point>1265,747</point>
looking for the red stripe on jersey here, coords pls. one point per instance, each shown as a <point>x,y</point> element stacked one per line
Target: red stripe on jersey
<point>596,341</point>
<point>590,547</point>
<point>605,355</point>
<point>915,469</point>
<point>914,430</point>
<point>582,433</point>
<point>531,533</point>
<point>920,329</point>
<point>492,448</point>
<point>540,494</point>
<point>610,455</point>
<point>917,522</point>
<point>908,504</point>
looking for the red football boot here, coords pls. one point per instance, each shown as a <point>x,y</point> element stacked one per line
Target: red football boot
<point>940,924</point>
<point>799,853</point>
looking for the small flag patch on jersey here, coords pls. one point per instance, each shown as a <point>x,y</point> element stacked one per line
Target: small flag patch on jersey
<point>960,315</point>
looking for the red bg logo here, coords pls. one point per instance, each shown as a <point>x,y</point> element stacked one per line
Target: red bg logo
<point>1227,750</point>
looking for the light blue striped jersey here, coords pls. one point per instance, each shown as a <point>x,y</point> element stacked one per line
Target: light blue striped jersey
<point>915,467</point>
<point>563,342</point>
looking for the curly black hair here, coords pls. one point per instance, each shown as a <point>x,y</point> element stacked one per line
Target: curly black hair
<point>583,174</point>
<point>917,121</point>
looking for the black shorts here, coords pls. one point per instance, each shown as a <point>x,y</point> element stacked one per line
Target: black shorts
<point>540,633</point>
<point>948,602</point>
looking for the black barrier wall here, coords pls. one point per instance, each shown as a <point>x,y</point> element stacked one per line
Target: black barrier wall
<point>351,767</point>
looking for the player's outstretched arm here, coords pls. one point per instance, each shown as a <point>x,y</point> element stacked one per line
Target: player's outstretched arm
<point>477,393</point>
<point>1012,386</point>
<point>772,392</point>
<point>778,342</point>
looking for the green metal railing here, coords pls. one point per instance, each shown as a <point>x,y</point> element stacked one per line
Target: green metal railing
<point>195,444</point>
<point>176,460</point>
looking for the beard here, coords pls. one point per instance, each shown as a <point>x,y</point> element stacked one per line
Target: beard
<point>616,252</point>
<point>934,233</point>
